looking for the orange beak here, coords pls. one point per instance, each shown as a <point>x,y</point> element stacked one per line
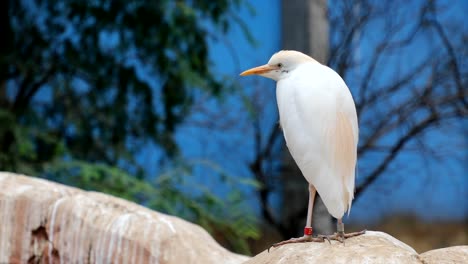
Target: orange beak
<point>259,70</point>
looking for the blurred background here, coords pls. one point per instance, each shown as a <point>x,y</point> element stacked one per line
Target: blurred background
<point>142,100</point>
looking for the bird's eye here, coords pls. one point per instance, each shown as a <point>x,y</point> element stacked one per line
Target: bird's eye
<point>279,65</point>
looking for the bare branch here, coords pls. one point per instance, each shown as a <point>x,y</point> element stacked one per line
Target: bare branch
<point>452,58</point>
<point>394,151</point>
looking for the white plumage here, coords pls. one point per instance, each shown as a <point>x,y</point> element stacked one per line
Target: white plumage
<point>319,122</point>
<point>320,127</point>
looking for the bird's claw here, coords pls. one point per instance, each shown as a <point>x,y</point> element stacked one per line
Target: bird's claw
<point>341,236</point>
<point>325,237</point>
<point>302,239</point>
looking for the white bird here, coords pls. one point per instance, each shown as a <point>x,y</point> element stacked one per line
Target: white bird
<point>320,126</point>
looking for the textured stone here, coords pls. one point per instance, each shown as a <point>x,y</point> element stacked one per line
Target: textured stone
<point>450,255</point>
<point>46,222</point>
<point>373,247</point>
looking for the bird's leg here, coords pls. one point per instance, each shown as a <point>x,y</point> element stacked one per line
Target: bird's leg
<point>310,208</point>
<point>308,228</point>
<point>340,235</point>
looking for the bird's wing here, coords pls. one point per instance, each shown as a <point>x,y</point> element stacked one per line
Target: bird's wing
<point>344,153</point>
<point>325,148</point>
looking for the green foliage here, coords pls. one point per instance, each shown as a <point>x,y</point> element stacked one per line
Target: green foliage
<point>111,71</point>
<point>85,85</point>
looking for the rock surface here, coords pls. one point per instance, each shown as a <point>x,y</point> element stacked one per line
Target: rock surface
<point>450,255</point>
<point>46,222</point>
<point>373,247</point>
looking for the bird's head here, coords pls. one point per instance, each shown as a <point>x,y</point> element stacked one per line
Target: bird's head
<point>280,65</point>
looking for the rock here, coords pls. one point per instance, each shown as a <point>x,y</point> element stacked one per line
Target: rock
<point>46,222</point>
<point>457,254</point>
<point>372,247</point>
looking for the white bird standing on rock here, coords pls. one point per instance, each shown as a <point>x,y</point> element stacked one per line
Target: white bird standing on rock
<point>320,126</point>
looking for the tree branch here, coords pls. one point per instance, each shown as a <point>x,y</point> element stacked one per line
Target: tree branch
<point>417,129</point>
<point>453,58</point>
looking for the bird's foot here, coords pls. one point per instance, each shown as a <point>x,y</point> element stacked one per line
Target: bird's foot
<point>341,236</point>
<point>303,239</point>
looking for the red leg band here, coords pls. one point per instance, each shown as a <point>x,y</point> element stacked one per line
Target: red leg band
<point>307,231</point>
